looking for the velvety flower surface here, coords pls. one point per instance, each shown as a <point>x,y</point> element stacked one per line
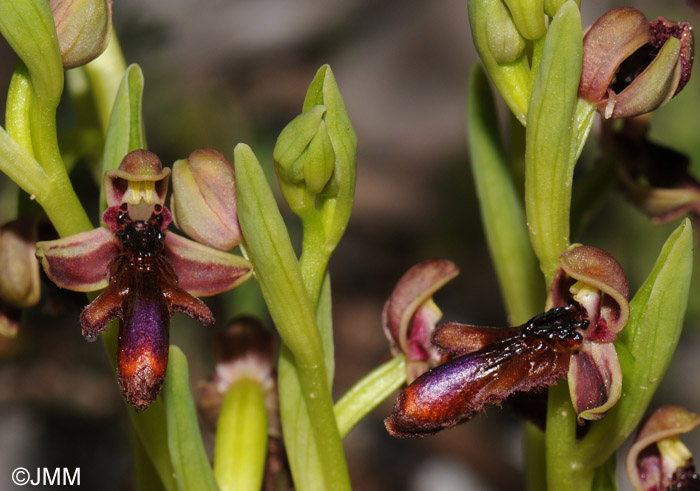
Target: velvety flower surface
<point>410,315</point>
<point>632,66</point>
<point>658,460</point>
<point>593,279</point>
<point>148,273</point>
<point>489,364</point>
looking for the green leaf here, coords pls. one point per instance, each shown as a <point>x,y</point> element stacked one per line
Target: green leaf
<point>126,129</point>
<point>29,29</point>
<point>650,338</point>
<point>368,393</point>
<point>105,73</point>
<point>189,459</point>
<point>241,438</point>
<point>502,212</point>
<point>551,139</point>
<point>268,246</point>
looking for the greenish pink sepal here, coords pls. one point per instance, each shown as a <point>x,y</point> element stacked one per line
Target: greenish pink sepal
<point>202,270</point>
<point>410,316</point>
<point>79,262</point>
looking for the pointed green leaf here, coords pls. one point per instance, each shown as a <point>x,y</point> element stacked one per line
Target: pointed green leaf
<point>646,344</point>
<point>502,211</point>
<point>126,130</point>
<point>189,459</point>
<point>268,246</point>
<point>551,139</point>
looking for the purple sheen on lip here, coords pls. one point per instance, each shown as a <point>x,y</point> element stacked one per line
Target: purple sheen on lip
<point>459,389</point>
<point>202,270</point>
<point>79,262</point>
<point>142,352</point>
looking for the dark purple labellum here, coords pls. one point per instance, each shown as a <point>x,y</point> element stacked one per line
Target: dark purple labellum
<point>143,292</point>
<point>533,355</point>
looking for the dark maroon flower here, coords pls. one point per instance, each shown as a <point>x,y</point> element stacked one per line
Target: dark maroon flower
<point>489,365</point>
<point>148,273</point>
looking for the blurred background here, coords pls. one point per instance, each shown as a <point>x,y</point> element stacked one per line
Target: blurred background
<point>222,72</point>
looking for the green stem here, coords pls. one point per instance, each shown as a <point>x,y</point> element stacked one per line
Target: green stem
<point>241,438</point>
<point>563,469</point>
<point>277,271</point>
<point>535,465</point>
<point>369,392</point>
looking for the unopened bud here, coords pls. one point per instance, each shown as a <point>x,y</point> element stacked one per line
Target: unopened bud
<point>203,202</point>
<point>83,28</point>
<point>19,281</point>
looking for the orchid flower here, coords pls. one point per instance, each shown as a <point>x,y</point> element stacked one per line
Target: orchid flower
<point>147,272</point>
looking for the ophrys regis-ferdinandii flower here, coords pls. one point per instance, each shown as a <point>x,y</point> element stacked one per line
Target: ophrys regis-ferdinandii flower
<point>147,272</point>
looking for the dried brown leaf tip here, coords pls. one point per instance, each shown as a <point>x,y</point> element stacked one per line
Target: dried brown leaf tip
<point>410,315</point>
<point>488,364</point>
<point>592,279</point>
<point>632,66</point>
<point>147,272</point>
<point>658,460</point>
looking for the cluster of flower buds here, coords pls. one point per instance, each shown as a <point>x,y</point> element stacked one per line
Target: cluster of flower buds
<point>658,460</point>
<point>19,281</point>
<point>83,28</point>
<point>587,307</point>
<point>632,66</point>
<point>147,272</point>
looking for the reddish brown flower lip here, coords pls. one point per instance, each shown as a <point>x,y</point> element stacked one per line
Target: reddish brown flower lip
<point>490,365</point>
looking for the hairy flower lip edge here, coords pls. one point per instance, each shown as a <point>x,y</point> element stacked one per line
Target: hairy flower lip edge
<point>510,361</point>
<point>665,423</point>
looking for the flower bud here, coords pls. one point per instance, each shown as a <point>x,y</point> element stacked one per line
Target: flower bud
<point>304,152</point>
<point>617,76</point>
<point>504,40</point>
<point>528,15</point>
<point>19,281</point>
<point>203,202</point>
<point>658,459</point>
<point>83,28</point>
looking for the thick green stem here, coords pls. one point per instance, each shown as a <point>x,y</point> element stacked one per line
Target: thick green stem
<point>535,465</point>
<point>563,468</point>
